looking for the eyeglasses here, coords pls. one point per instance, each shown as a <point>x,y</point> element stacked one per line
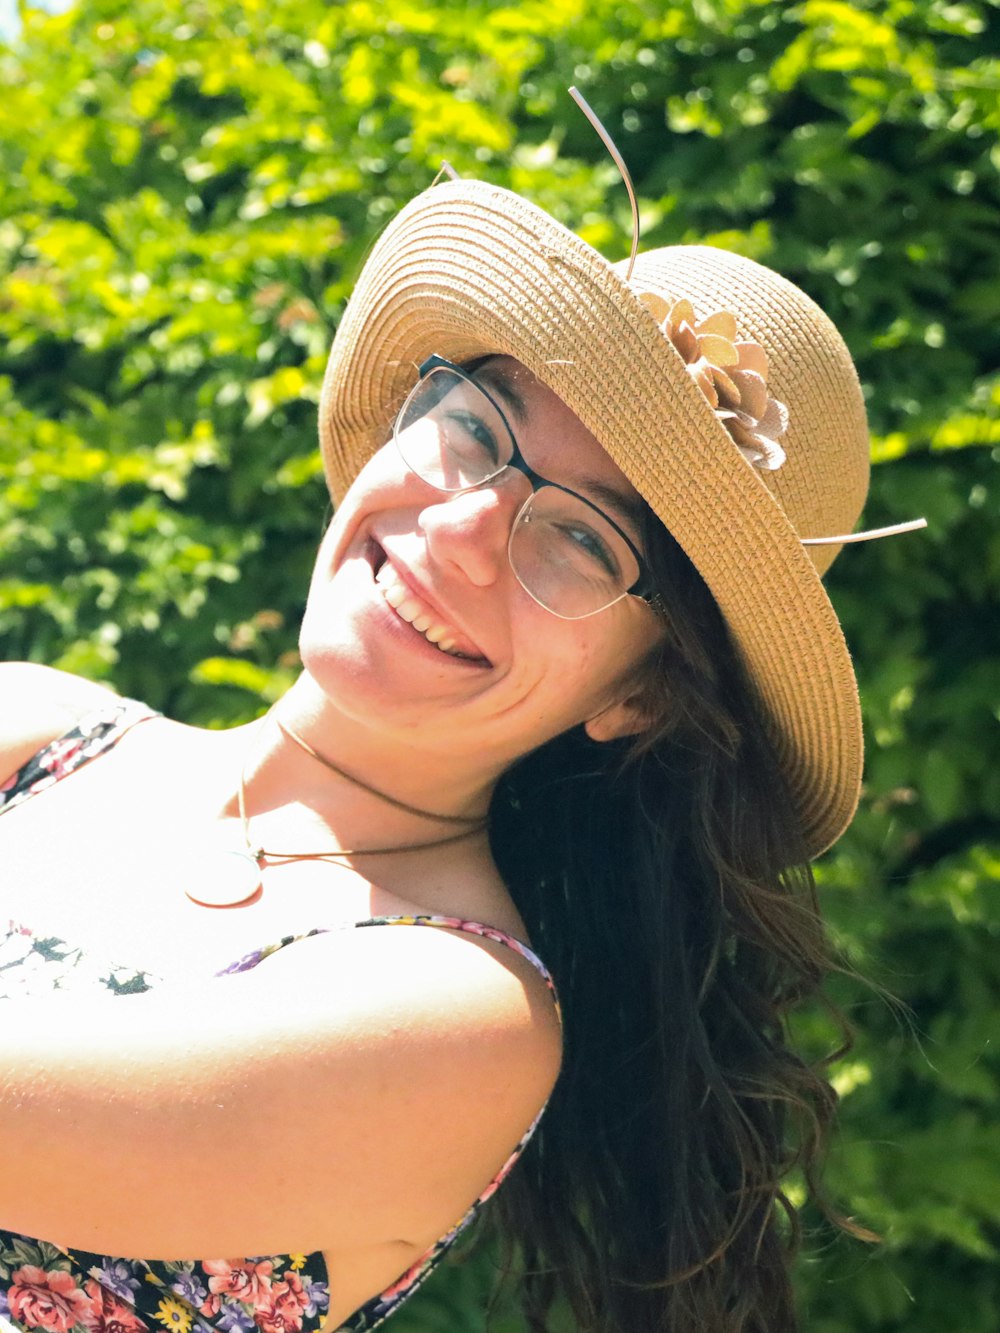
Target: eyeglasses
<point>567,554</point>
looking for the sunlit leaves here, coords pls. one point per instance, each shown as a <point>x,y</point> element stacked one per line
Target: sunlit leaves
<point>186,195</point>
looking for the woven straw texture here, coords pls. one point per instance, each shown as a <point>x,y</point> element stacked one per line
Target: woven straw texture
<point>468,269</point>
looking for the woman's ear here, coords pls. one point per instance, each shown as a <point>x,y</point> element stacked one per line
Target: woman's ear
<point>630,716</point>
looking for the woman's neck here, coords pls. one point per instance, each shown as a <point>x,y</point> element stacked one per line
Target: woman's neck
<point>350,803</point>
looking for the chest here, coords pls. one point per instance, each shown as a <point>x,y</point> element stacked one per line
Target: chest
<point>104,859</point>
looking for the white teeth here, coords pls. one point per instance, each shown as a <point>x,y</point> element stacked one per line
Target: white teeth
<point>410,609</point>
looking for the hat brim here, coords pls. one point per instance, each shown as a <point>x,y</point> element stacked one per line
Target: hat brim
<point>468,269</point>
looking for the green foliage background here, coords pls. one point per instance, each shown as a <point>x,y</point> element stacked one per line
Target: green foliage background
<point>186,192</point>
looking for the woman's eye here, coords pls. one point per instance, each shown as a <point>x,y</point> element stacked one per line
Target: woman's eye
<point>592,545</point>
<point>474,432</point>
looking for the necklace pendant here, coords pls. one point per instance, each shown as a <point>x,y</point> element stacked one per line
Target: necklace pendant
<point>235,878</point>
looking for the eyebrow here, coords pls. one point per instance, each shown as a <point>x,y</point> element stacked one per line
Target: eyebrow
<point>500,383</point>
<point>631,510</point>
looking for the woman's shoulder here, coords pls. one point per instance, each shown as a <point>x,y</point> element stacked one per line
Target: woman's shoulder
<point>402,1066</point>
<point>37,704</point>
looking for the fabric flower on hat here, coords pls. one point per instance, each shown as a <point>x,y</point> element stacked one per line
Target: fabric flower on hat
<point>731,373</point>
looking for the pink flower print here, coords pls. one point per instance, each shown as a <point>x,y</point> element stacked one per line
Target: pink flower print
<point>283,1310</point>
<point>46,1300</point>
<point>108,1314</point>
<point>404,1283</point>
<point>246,1281</point>
<point>211,1306</point>
<point>490,1189</point>
<point>60,755</point>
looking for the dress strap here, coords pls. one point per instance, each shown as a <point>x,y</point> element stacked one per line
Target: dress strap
<point>94,734</point>
<point>474,928</point>
<point>252,959</point>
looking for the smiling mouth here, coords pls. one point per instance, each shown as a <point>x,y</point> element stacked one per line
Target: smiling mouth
<point>418,614</point>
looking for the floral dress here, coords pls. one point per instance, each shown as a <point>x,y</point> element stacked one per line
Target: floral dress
<point>73,1291</point>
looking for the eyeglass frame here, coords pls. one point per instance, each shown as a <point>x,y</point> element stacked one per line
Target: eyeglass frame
<point>643,589</point>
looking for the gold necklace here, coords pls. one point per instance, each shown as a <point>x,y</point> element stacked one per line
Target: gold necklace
<point>239,876</point>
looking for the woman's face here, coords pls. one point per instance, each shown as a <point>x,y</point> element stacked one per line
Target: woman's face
<point>416,623</point>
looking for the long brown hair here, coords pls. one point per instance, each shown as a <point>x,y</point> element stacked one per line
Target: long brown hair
<point>665,883</point>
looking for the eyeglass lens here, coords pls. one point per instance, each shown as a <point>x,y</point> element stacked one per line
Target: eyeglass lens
<point>564,552</point>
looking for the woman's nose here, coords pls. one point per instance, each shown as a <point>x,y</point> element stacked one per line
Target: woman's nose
<point>471,529</point>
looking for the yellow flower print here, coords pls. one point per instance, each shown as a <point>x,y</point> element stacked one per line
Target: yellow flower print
<point>174,1315</point>
<point>297,1261</point>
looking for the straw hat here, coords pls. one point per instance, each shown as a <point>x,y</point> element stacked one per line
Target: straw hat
<point>468,268</point>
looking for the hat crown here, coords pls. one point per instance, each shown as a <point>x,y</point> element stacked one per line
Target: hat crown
<point>822,483</point>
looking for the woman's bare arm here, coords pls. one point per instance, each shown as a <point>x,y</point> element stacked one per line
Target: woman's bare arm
<point>37,704</point>
<point>361,1086</point>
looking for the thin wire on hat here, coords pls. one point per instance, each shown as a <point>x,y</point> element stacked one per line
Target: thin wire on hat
<point>842,539</point>
<point>619,162</point>
<point>445,169</point>
<point>869,534</point>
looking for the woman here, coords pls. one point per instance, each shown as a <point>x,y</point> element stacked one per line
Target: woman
<point>571,683</point>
